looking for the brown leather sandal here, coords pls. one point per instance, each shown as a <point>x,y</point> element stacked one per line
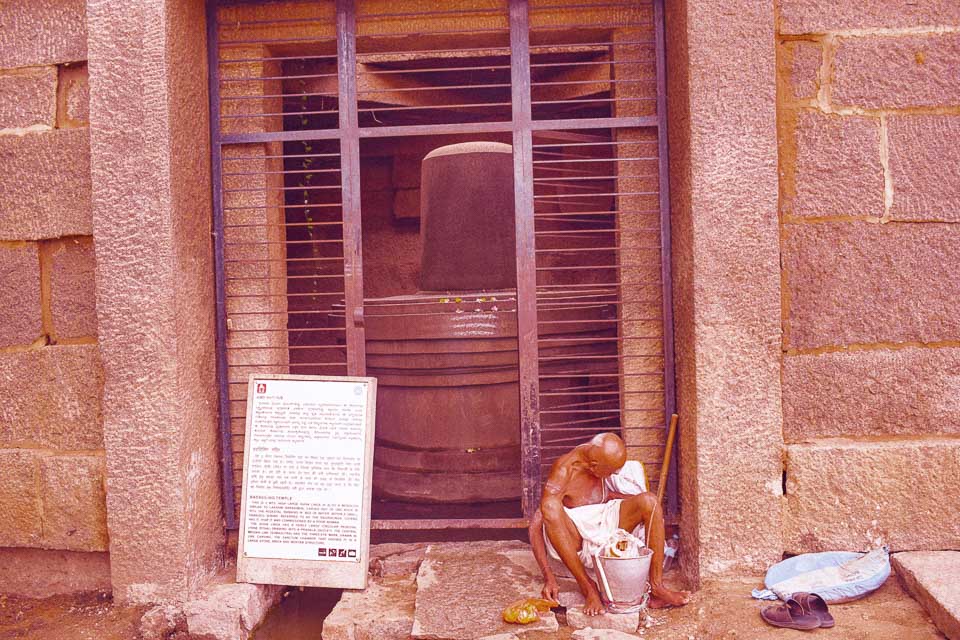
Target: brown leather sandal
<point>790,615</point>
<point>816,605</point>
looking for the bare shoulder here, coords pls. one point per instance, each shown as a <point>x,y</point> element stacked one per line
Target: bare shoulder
<point>559,477</point>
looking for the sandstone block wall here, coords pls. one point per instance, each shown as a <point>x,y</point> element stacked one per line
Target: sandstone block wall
<point>869,128</point>
<point>51,438</point>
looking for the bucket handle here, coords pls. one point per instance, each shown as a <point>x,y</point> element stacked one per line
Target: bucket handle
<point>599,565</point>
<point>603,575</point>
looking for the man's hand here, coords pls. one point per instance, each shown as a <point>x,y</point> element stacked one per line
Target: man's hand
<point>551,590</point>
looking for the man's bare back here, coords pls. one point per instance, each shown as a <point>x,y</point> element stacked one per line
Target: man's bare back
<point>576,480</point>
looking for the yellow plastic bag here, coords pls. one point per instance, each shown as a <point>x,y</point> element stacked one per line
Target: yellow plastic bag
<point>527,611</point>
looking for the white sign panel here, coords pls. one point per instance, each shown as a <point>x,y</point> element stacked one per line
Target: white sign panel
<point>305,514</point>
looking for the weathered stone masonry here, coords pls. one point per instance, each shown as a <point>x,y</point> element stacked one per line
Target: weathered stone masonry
<point>848,398</point>
<point>869,133</point>
<point>51,439</point>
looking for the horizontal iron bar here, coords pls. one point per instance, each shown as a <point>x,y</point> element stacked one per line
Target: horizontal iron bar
<point>469,105</point>
<point>262,78</point>
<point>439,129</point>
<point>454,13</point>
<point>596,393</point>
<point>275,58</point>
<point>578,63</point>
<point>285,156</point>
<point>443,87</point>
<point>274,114</point>
<point>561,45</point>
<point>303,330</point>
<point>449,523</point>
<point>433,69</point>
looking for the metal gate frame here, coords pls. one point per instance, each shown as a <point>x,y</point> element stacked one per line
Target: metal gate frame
<point>522,126</point>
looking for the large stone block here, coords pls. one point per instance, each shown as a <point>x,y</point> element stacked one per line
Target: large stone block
<point>726,275</point>
<point>20,316</point>
<point>73,96</point>
<point>74,502</point>
<point>925,166</point>
<point>230,611</point>
<point>383,611</point>
<point>870,393</point>
<point>836,170</point>
<point>20,525</point>
<point>799,63</point>
<point>855,495</point>
<point>42,32</point>
<point>820,16</point>
<point>624,622</point>
<point>865,283</point>
<point>150,164</point>
<point>456,600</point>
<point>41,573</point>
<point>51,398</point>
<point>45,185</point>
<point>28,97</point>
<point>72,288</point>
<point>931,577</point>
<point>896,72</point>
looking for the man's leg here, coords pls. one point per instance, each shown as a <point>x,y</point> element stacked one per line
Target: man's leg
<point>643,509</point>
<point>566,540</point>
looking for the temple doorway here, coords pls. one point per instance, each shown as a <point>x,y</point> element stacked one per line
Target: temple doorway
<point>465,203</point>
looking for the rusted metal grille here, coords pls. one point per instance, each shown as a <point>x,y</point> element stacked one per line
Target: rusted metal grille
<point>432,63</point>
<point>323,113</point>
<point>599,290</point>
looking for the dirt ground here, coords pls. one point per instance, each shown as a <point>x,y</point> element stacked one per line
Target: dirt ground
<point>724,610</point>
<point>89,616</point>
<point>721,610</point>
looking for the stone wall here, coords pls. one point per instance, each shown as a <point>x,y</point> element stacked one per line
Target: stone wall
<point>869,138</point>
<point>51,380</point>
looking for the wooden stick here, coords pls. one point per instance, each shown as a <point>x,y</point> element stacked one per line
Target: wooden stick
<point>665,466</point>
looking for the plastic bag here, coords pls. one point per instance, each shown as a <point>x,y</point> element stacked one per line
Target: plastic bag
<point>836,576</point>
<point>528,610</point>
<point>622,544</point>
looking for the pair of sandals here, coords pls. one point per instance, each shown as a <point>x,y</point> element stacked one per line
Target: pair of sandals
<point>804,611</point>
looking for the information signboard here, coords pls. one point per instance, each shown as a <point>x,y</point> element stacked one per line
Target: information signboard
<point>307,471</point>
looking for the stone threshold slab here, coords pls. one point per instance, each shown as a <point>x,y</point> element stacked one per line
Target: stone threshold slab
<point>931,577</point>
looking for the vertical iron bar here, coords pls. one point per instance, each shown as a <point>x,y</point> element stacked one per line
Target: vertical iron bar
<point>216,183</point>
<point>526,256</point>
<point>666,270</point>
<point>350,179</point>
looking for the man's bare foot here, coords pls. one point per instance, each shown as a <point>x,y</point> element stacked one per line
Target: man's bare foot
<point>661,597</point>
<point>593,605</point>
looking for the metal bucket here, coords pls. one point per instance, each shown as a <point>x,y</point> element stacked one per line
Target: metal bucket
<point>623,581</point>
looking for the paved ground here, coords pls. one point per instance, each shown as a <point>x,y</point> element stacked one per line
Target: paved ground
<point>722,610</point>
<point>719,611</point>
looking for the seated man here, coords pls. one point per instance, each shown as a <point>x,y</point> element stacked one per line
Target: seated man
<point>577,513</point>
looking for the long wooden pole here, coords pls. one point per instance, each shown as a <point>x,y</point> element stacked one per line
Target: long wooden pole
<point>665,467</point>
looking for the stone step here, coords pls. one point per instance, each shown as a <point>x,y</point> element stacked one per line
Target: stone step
<point>932,577</point>
<point>457,591</point>
<point>462,590</point>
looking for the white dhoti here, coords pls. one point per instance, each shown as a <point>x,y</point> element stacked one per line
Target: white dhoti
<point>597,522</point>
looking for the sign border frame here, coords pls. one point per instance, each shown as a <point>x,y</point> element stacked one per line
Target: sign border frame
<point>311,573</point>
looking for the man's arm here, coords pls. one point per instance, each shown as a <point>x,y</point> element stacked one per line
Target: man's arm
<point>551,590</point>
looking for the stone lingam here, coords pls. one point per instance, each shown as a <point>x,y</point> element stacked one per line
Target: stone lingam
<point>448,414</point>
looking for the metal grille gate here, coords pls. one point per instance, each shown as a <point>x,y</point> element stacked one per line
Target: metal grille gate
<point>299,90</point>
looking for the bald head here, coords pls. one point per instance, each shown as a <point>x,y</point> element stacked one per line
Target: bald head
<point>607,453</point>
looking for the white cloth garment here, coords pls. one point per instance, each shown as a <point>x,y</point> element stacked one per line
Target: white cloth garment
<point>597,522</point>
